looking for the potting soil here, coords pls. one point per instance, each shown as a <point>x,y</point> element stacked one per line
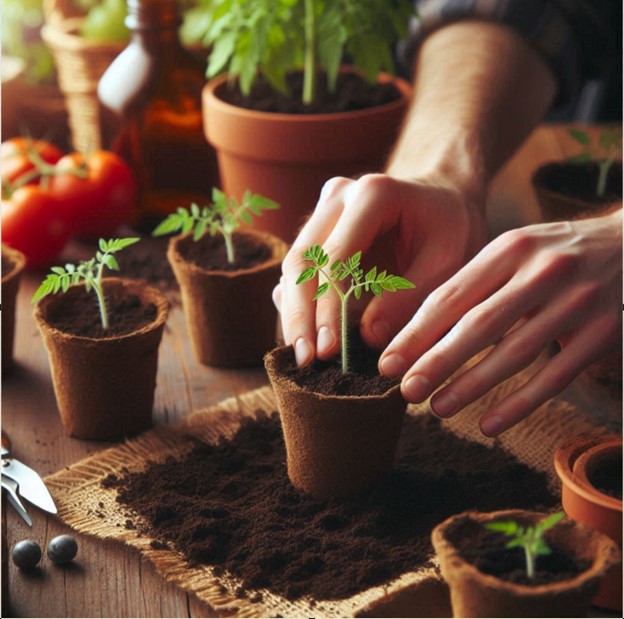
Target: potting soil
<point>232,506</point>
<point>607,476</point>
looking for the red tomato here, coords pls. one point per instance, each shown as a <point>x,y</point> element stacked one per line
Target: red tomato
<point>33,222</point>
<point>14,156</point>
<point>98,204</point>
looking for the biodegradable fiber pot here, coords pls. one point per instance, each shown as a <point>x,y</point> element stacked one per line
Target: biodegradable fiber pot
<point>335,445</point>
<point>230,314</point>
<point>104,387</point>
<point>476,594</point>
<point>15,261</point>
<point>577,461</point>
<point>288,157</point>
<point>566,190</point>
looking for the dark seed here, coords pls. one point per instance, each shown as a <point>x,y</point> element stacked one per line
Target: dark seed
<point>62,549</point>
<point>26,554</point>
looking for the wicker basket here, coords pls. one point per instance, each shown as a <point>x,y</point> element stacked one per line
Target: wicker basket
<point>80,65</point>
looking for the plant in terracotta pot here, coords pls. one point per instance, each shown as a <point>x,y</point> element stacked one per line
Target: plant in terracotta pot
<point>287,116</point>
<point>102,336</point>
<point>584,183</point>
<point>341,421</point>
<point>549,567</point>
<point>590,469</point>
<point>226,276</point>
<point>13,263</point>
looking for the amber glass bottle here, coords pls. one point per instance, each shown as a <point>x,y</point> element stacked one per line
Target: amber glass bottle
<point>150,112</point>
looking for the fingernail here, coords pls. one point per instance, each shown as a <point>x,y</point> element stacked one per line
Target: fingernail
<point>445,404</point>
<point>492,426</point>
<point>381,331</point>
<point>302,351</point>
<point>325,340</point>
<point>416,388</point>
<point>392,365</point>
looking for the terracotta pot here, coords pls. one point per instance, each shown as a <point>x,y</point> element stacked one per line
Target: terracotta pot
<point>555,205</point>
<point>104,387</point>
<point>335,445</point>
<point>288,157</point>
<point>476,594</point>
<point>230,315</point>
<point>575,461</point>
<point>10,286</point>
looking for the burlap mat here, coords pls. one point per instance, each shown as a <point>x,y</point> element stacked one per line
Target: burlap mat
<point>89,508</point>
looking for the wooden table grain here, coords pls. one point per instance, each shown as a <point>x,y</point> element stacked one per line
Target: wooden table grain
<point>109,580</point>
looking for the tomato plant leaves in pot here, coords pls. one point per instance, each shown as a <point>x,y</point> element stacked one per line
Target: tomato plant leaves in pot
<point>350,270</point>
<point>90,271</point>
<point>276,37</point>
<point>223,217</point>
<point>529,538</point>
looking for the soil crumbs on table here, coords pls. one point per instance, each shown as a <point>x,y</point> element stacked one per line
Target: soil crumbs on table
<point>486,550</point>
<point>231,505</point>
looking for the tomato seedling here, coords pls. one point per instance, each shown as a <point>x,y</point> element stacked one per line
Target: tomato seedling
<point>222,217</point>
<point>529,538</point>
<point>604,152</point>
<point>90,271</point>
<point>339,271</point>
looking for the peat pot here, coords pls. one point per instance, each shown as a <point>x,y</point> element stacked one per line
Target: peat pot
<point>104,386</point>
<point>13,263</point>
<point>288,157</point>
<point>475,593</point>
<point>335,445</point>
<point>230,315</point>
<point>590,469</point>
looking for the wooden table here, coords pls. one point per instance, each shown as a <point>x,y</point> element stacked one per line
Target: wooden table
<point>114,581</point>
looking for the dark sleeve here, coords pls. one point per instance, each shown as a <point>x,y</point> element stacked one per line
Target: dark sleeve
<point>578,39</point>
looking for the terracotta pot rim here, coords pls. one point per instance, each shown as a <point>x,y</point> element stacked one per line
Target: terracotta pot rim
<point>507,586</point>
<point>17,258</point>
<point>64,34</point>
<point>569,451</point>
<point>287,383</point>
<point>278,247</point>
<point>213,99</point>
<point>157,297</point>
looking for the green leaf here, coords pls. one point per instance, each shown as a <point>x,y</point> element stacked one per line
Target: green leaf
<point>580,158</point>
<point>357,292</point>
<point>246,217</point>
<point>508,527</point>
<point>65,282</point>
<point>400,283</point>
<point>580,136</point>
<point>171,224</point>
<point>308,274</point>
<point>550,521</point>
<point>125,242</point>
<point>58,270</point>
<point>111,262</point>
<point>321,290</point>
<point>376,289</point>
<point>44,289</point>
<point>199,230</point>
<point>514,543</point>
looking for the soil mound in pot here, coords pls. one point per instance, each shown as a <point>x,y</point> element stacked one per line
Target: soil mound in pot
<point>486,551</point>
<point>352,92</point>
<point>231,505</point>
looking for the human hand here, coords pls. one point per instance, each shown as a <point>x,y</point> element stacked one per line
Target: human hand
<point>526,289</point>
<point>422,230</point>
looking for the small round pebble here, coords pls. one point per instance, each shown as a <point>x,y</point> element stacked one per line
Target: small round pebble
<point>62,549</point>
<point>26,554</point>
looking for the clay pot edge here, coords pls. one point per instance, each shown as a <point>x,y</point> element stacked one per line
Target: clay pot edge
<point>277,246</point>
<point>17,258</point>
<point>565,456</point>
<point>278,377</point>
<point>498,583</point>
<point>157,297</point>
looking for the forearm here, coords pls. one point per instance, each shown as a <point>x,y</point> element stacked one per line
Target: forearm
<point>479,89</point>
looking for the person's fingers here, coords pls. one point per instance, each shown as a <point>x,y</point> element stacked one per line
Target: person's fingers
<point>277,296</point>
<point>586,346</point>
<point>296,306</point>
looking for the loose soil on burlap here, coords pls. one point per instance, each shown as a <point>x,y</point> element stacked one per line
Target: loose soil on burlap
<point>352,93</point>
<point>232,506</point>
<point>486,550</point>
<point>80,315</point>
<point>210,253</point>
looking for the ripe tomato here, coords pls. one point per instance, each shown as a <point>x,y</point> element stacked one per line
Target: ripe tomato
<point>33,222</point>
<point>14,156</point>
<point>99,203</point>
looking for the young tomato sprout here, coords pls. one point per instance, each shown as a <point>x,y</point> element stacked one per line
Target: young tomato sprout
<point>341,270</point>
<point>89,271</point>
<point>606,150</point>
<point>529,538</point>
<point>223,216</point>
